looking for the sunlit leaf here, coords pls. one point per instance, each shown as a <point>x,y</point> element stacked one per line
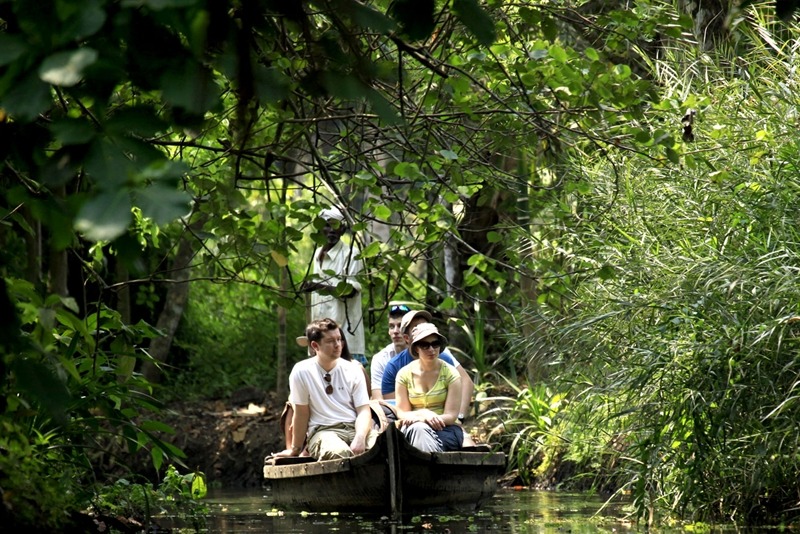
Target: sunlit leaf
<point>163,204</point>
<point>494,237</point>
<point>157,456</point>
<point>372,250</point>
<point>279,258</point>
<point>199,489</point>
<point>382,212</point>
<point>66,68</point>
<point>105,216</point>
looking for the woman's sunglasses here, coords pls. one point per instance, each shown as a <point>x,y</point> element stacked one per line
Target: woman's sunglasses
<point>425,345</point>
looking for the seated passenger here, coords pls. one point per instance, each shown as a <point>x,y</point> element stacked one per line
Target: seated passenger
<point>288,411</point>
<point>428,393</point>
<point>380,359</point>
<point>409,322</point>
<point>330,400</point>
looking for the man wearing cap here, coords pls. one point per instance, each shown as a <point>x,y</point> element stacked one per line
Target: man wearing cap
<point>408,323</point>
<point>335,290</point>
<point>380,359</point>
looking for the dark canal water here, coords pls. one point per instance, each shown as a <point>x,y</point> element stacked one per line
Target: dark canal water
<point>239,511</point>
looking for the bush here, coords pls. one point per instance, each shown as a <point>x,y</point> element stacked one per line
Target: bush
<point>228,338</point>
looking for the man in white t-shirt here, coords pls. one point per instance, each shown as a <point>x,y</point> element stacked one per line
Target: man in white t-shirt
<point>380,359</point>
<point>329,395</point>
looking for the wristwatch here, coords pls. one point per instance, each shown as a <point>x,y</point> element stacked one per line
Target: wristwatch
<point>461,417</point>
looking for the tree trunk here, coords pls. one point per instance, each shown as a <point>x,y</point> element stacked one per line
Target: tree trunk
<point>57,279</point>
<point>281,378</point>
<point>124,293</point>
<point>453,284</point>
<point>33,245</point>
<point>174,305</point>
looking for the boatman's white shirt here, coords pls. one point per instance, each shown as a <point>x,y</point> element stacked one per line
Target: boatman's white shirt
<point>340,265</point>
<point>378,363</point>
<point>307,387</point>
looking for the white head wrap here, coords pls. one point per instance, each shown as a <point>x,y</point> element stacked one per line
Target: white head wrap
<point>332,213</point>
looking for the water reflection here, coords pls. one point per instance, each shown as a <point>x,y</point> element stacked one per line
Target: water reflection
<point>238,511</point>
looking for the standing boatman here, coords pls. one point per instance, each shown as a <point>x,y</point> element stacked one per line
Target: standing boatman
<point>334,287</point>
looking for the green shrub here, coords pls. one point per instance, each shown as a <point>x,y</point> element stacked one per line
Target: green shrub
<point>228,338</point>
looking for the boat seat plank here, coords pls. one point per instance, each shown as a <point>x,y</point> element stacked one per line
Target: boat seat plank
<point>289,460</point>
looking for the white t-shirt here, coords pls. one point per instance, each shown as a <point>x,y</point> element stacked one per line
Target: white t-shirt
<point>378,363</point>
<point>340,265</point>
<point>307,387</point>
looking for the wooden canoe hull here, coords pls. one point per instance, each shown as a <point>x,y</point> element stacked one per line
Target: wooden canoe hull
<point>390,479</point>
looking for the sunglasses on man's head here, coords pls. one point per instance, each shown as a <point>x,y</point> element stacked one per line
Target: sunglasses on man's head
<point>425,345</point>
<point>399,308</point>
<point>329,387</point>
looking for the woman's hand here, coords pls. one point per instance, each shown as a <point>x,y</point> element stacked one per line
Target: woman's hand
<point>431,418</point>
<point>435,421</point>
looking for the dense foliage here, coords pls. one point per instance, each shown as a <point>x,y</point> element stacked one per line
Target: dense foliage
<point>598,202</point>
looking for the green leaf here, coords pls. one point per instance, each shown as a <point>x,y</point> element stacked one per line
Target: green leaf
<point>73,131</point>
<point>27,98</point>
<point>606,272</point>
<point>494,237</point>
<point>65,69</point>
<point>163,204</point>
<point>158,5</point>
<point>156,426</point>
<point>449,155</point>
<point>592,54</point>
<point>558,53</point>
<point>382,212</point>
<point>415,17</point>
<point>125,366</point>
<point>199,489</point>
<point>190,87</point>
<point>39,383</point>
<point>11,48</point>
<point>88,17</point>
<point>476,20</point>
<point>372,250</point>
<point>158,457</point>
<point>105,216</point>
<point>368,17</point>
<point>107,164</point>
<point>673,156</point>
<point>271,85</point>
<point>382,108</point>
<point>141,121</point>
<point>69,303</point>
<point>549,28</point>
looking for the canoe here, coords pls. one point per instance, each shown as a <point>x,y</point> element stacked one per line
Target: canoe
<point>391,478</point>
